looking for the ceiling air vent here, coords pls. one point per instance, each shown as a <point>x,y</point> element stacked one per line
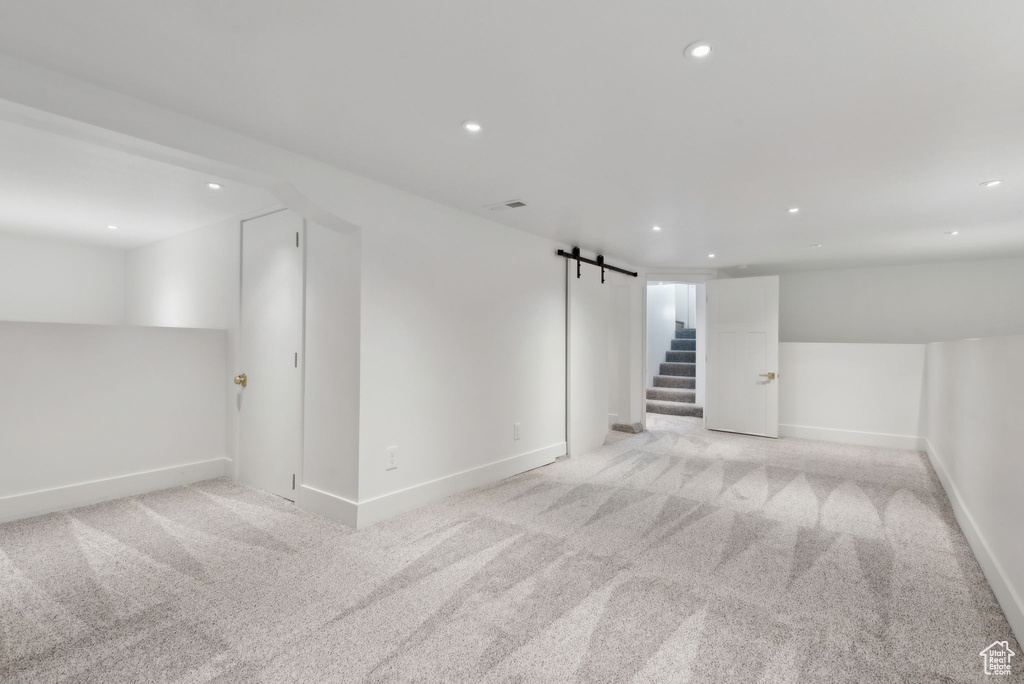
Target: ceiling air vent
<point>510,204</point>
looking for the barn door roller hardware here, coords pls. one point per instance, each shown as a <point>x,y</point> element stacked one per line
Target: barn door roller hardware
<point>575,254</point>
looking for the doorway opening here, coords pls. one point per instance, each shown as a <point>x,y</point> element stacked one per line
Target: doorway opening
<point>119,273</point>
<point>674,371</point>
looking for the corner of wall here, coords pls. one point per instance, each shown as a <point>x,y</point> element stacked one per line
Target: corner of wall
<point>873,439</point>
<point>328,505</point>
<point>998,579</point>
<point>365,513</point>
<point>87,493</point>
<point>395,503</point>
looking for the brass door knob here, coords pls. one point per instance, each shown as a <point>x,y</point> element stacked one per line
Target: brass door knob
<point>241,380</point>
<point>770,376</point>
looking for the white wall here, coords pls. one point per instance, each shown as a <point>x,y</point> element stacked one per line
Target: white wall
<point>462,335</point>
<point>686,305</point>
<point>975,435</point>
<point>60,282</point>
<point>191,280</point>
<point>856,393</point>
<point>106,411</point>
<point>661,326</point>
<point>331,363</point>
<point>903,304</point>
<point>187,281</point>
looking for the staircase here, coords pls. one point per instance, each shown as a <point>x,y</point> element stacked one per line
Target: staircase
<point>675,388</point>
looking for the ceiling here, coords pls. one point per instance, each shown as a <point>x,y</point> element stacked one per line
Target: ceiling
<point>878,119</point>
<point>57,187</point>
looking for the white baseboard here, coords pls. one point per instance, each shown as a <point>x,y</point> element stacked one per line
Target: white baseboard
<point>388,505</point>
<point>1008,598</point>
<point>328,505</point>
<point>87,493</point>
<point>875,439</point>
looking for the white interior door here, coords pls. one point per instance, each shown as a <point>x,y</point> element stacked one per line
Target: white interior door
<point>270,404</point>
<point>743,356</point>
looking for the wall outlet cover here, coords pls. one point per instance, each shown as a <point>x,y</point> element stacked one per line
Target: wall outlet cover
<point>516,430</point>
<point>390,458</point>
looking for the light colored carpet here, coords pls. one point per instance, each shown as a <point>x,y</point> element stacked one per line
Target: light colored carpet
<point>669,556</point>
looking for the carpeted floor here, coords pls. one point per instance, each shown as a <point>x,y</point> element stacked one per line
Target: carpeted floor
<point>669,556</point>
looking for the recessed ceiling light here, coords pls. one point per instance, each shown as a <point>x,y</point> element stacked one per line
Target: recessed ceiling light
<point>112,227</point>
<point>952,232</point>
<point>472,126</point>
<point>991,183</point>
<point>655,228</point>
<point>711,256</point>
<point>214,186</point>
<point>815,246</point>
<point>698,50</point>
<point>794,210</point>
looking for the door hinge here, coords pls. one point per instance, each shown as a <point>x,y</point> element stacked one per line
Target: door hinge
<point>296,239</point>
<point>293,480</point>
<point>296,359</point>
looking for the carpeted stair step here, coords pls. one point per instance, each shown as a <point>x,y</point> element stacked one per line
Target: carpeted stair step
<point>684,345</point>
<point>670,394</point>
<point>675,381</point>
<point>686,370</point>
<point>674,408</point>
<point>681,356</point>
<point>688,334</point>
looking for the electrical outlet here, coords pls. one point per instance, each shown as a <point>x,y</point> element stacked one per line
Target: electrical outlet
<point>516,427</point>
<point>390,458</point>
